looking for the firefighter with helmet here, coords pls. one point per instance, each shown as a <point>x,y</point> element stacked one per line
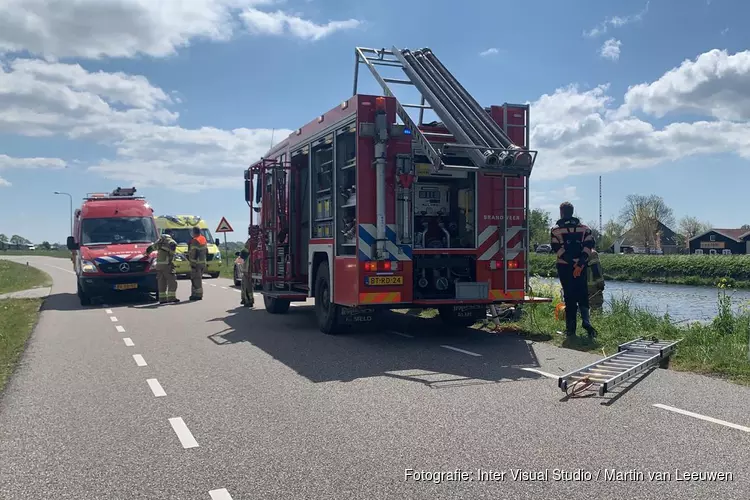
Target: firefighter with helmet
<point>248,286</point>
<point>166,248</point>
<point>595,279</point>
<point>197,252</point>
<point>573,244</point>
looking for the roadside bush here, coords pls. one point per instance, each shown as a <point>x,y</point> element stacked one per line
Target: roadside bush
<point>679,269</point>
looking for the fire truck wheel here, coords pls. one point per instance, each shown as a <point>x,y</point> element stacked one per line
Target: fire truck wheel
<point>85,299</point>
<point>325,311</point>
<point>449,318</point>
<point>275,306</point>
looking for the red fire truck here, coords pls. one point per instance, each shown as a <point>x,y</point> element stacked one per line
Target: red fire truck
<point>364,209</point>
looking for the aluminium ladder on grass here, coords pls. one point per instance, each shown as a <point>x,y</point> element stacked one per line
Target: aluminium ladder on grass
<point>632,358</point>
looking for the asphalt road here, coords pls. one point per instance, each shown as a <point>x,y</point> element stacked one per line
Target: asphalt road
<point>208,400</point>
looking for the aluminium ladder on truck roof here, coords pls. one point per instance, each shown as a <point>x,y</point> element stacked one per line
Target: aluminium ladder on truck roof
<point>481,138</point>
<point>632,358</point>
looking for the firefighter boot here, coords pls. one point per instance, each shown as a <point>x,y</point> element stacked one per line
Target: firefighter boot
<point>586,320</point>
<point>570,323</point>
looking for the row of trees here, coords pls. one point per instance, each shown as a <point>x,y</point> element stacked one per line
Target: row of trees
<point>16,241</point>
<point>642,215</point>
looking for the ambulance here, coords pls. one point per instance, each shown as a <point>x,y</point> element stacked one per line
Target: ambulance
<point>182,226</point>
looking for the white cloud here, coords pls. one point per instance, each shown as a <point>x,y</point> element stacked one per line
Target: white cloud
<point>489,52</point>
<point>278,23</point>
<point>581,132</point>
<point>550,200</point>
<point>715,84</point>
<point>125,28</point>
<point>611,49</point>
<point>615,22</point>
<point>8,162</point>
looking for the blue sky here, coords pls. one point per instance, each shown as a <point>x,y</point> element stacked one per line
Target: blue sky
<point>177,98</point>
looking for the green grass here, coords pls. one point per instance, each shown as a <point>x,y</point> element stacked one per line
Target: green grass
<point>15,277</point>
<point>718,348</point>
<point>63,252</point>
<point>17,320</point>
<point>707,270</point>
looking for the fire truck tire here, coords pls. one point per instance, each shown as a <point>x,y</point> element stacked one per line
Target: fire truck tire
<point>449,318</point>
<point>214,275</point>
<point>325,311</point>
<point>83,297</point>
<point>275,306</point>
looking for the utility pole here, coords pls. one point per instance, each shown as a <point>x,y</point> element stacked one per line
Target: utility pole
<point>71,210</point>
<point>601,229</point>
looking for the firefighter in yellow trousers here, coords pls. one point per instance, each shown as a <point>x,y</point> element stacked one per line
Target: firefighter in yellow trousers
<point>165,248</point>
<point>197,251</point>
<point>248,299</point>
<point>595,281</point>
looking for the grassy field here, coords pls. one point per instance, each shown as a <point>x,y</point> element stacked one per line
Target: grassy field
<point>15,276</point>
<point>706,270</point>
<point>64,253</point>
<point>718,348</point>
<point>17,319</point>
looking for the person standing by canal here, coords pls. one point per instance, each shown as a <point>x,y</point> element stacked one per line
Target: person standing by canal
<point>573,243</point>
<point>595,280</point>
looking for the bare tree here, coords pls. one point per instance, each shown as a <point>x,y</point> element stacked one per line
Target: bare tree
<point>643,214</point>
<point>689,227</point>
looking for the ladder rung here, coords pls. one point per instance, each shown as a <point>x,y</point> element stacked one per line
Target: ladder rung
<point>383,62</point>
<point>398,80</point>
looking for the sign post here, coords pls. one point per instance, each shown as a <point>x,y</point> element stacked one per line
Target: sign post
<point>224,227</point>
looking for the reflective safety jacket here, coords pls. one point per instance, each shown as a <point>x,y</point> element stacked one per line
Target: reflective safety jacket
<point>595,274</point>
<point>165,249</point>
<point>198,250</point>
<point>245,254</point>
<point>572,242</point>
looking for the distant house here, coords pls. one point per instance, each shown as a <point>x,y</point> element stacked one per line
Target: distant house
<point>666,242</point>
<point>721,241</point>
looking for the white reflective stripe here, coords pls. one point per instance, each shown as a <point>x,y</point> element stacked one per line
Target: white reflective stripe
<point>512,231</point>
<point>485,235</point>
<point>111,260</point>
<point>491,252</point>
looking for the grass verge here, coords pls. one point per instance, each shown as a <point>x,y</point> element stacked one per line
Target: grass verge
<point>17,320</point>
<point>63,253</point>
<point>706,270</point>
<point>15,277</point>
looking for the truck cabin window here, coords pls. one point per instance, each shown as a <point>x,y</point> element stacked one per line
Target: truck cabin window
<point>117,230</point>
<point>183,236</point>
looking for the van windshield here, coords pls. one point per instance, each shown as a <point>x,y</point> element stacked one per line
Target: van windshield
<point>183,236</point>
<point>118,230</point>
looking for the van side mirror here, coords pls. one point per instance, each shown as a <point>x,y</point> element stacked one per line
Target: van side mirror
<point>217,242</point>
<point>71,243</point>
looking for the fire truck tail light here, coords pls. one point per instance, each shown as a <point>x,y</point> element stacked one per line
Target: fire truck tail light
<point>512,264</point>
<point>371,266</point>
<point>498,264</point>
<point>380,103</point>
<point>380,265</point>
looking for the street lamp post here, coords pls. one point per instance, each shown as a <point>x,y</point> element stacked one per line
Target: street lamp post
<point>71,209</point>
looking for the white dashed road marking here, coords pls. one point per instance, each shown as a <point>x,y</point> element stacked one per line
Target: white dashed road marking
<point>120,329</point>
<point>703,417</point>
<point>221,494</point>
<point>113,319</point>
<point>108,311</point>
<point>156,387</point>
<point>139,360</point>
<point>128,342</point>
<point>461,350</point>
<point>183,433</point>
<point>402,334</point>
<point>540,372</point>
<point>60,268</point>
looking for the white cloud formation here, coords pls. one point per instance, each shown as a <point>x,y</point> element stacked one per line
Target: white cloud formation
<point>125,28</point>
<point>279,23</point>
<point>489,52</point>
<point>550,200</point>
<point>715,84</point>
<point>615,22</point>
<point>8,162</point>
<point>611,49</point>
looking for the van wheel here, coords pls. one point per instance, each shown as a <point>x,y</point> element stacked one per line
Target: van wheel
<point>85,299</point>
<point>275,306</point>
<point>326,311</point>
<point>448,316</point>
<point>214,275</point>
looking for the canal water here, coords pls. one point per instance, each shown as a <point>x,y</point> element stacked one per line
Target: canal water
<point>683,303</point>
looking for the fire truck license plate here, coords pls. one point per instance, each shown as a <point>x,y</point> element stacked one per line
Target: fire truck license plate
<point>126,286</point>
<point>384,280</point>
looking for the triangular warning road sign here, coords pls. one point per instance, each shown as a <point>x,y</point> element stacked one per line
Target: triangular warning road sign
<point>224,226</point>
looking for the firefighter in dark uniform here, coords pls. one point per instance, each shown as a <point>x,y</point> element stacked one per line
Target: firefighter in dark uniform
<point>165,247</point>
<point>595,278</point>
<point>197,252</point>
<point>573,242</point>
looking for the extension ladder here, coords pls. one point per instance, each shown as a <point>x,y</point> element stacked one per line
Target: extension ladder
<point>632,358</point>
